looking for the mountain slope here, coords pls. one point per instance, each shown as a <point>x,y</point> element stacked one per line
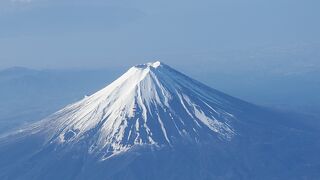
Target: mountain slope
<point>156,123</point>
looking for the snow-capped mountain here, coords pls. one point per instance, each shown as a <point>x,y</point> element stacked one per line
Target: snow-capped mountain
<point>151,104</point>
<point>153,122</point>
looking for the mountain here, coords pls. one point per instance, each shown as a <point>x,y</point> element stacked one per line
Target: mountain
<point>156,123</point>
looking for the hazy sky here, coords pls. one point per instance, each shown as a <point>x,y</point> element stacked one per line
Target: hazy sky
<point>109,33</point>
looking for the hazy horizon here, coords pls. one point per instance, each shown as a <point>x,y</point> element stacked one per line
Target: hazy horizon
<point>49,34</point>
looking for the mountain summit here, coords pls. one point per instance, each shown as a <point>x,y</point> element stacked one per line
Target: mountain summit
<point>156,123</point>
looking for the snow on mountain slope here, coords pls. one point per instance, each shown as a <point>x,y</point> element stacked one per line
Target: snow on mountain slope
<point>151,104</point>
<point>156,123</point>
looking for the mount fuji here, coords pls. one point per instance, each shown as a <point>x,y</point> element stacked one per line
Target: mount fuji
<point>156,123</point>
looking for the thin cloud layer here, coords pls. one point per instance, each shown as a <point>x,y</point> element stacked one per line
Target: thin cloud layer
<point>21,1</point>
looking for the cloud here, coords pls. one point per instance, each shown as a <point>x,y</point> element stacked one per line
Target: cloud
<point>21,1</point>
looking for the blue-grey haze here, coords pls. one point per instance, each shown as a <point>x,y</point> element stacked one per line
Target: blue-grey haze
<point>266,52</point>
<point>109,33</point>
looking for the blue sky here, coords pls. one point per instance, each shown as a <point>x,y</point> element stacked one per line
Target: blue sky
<point>110,33</point>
